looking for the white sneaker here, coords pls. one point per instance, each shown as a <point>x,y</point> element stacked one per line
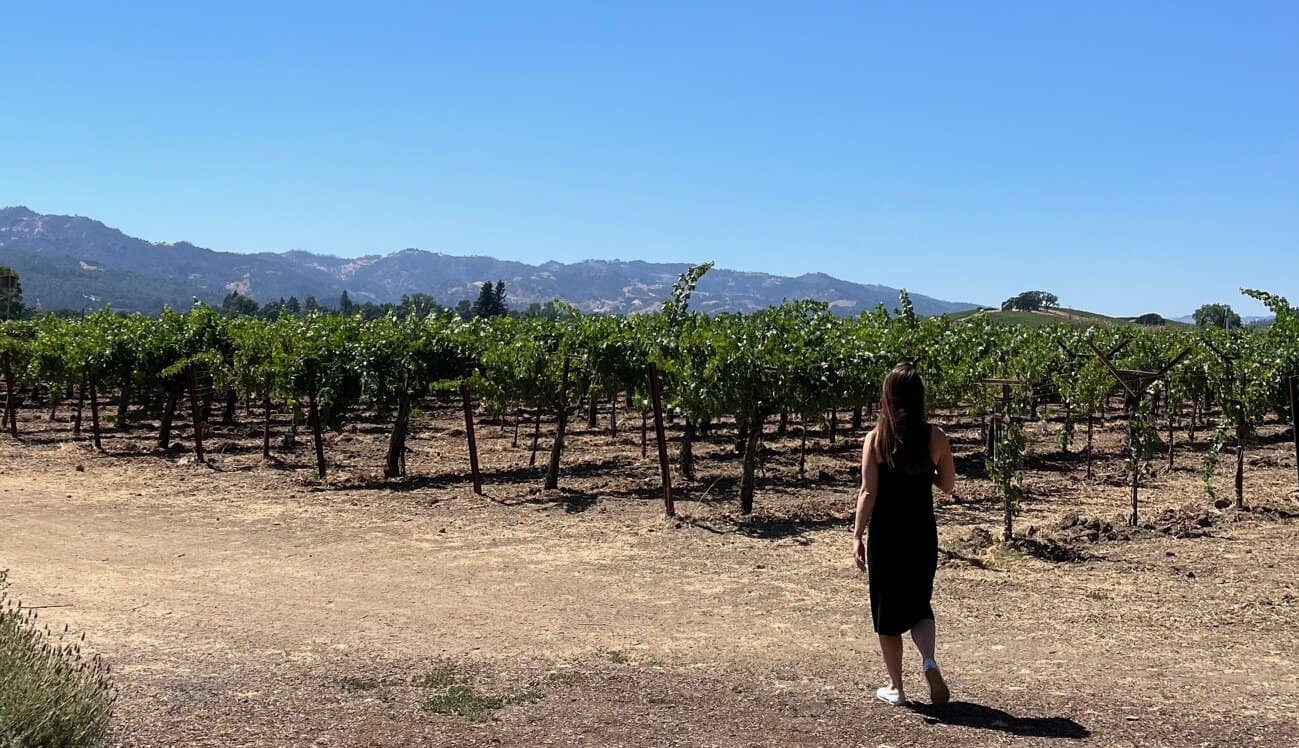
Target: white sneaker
<point>938,691</point>
<point>890,695</point>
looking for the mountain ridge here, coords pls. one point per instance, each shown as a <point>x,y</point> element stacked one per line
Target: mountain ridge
<point>75,261</point>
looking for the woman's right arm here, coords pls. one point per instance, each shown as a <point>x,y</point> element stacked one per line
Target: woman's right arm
<point>870,475</point>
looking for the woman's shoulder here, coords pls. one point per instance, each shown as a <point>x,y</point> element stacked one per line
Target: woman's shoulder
<point>937,438</point>
<point>868,445</point>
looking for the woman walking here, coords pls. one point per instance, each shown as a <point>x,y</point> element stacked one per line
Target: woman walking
<point>903,458</point>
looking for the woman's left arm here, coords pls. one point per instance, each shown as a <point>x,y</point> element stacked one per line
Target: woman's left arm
<point>940,451</point>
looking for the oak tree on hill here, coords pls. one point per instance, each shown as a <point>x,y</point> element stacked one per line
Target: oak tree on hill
<point>1216,315</point>
<point>1030,301</point>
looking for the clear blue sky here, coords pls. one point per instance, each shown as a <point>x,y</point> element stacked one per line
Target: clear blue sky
<point>1129,156</point>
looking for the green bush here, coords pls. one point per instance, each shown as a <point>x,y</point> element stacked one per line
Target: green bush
<point>52,696</point>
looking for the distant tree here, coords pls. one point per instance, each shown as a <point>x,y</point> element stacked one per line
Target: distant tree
<point>419,304</point>
<point>271,309</point>
<point>486,302</point>
<point>1150,320</point>
<point>238,305</point>
<point>542,311</point>
<point>1030,301</point>
<point>465,309</point>
<point>370,310</point>
<point>292,306</point>
<point>491,300</point>
<point>1216,315</point>
<point>345,305</point>
<point>311,305</point>
<point>11,295</point>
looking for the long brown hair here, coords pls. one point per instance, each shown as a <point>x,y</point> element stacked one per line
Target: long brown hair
<point>902,431</point>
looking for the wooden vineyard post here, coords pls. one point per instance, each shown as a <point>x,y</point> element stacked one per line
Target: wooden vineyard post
<point>664,470</point>
<point>561,422</point>
<point>317,437</point>
<point>11,398</point>
<point>1294,418</point>
<point>802,448</point>
<point>469,434</point>
<point>1008,521</point>
<point>1136,467</point>
<point>1170,440</point>
<point>751,441</point>
<point>196,413</point>
<point>81,401</point>
<point>536,436</point>
<point>266,427</point>
<point>94,417</point>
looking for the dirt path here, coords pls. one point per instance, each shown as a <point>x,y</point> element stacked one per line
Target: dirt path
<point>267,620</point>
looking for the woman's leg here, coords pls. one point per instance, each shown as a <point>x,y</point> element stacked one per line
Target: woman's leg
<point>924,635</point>
<point>891,646</point>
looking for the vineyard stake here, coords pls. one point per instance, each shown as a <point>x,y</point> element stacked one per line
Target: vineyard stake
<point>1091,419</point>
<point>266,426</point>
<point>536,435</point>
<point>316,436</point>
<point>94,417</point>
<point>469,432</point>
<point>81,401</point>
<point>192,379</point>
<point>11,397</point>
<point>1170,438</point>
<point>1294,418</point>
<point>657,396</point>
<point>561,423</point>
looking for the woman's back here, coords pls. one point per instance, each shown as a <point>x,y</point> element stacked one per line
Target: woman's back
<point>906,488</point>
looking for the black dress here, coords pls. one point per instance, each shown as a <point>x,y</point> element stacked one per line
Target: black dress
<point>902,548</point>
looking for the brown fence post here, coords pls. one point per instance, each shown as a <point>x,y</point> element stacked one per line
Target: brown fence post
<point>664,470</point>
<point>192,379</point>
<point>317,434</point>
<point>1294,418</point>
<point>469,433</point>
<point>561,424</point>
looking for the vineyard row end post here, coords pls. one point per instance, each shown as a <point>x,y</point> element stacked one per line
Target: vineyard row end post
<point>192,381</point>
<point>1294,418</point>
<point>665,471</point>
<point>466,398</point>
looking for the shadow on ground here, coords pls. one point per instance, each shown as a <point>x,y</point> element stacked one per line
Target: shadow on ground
<point>966,714</point>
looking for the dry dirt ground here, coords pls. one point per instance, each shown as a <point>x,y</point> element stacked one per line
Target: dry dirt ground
<point>245,604</point>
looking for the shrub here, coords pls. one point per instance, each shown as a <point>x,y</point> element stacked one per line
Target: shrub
<point>53,696</point>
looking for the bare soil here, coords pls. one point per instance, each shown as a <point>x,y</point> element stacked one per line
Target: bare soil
<point>250,604</point>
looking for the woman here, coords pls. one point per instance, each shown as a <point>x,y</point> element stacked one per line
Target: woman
<point>902,459</point>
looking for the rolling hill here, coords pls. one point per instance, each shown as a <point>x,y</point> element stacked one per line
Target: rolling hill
<point>73,262</point>
<point>1056,316</point>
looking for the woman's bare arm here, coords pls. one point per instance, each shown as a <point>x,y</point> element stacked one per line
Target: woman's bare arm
<point>940,451</point>
<point>870,476</point>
